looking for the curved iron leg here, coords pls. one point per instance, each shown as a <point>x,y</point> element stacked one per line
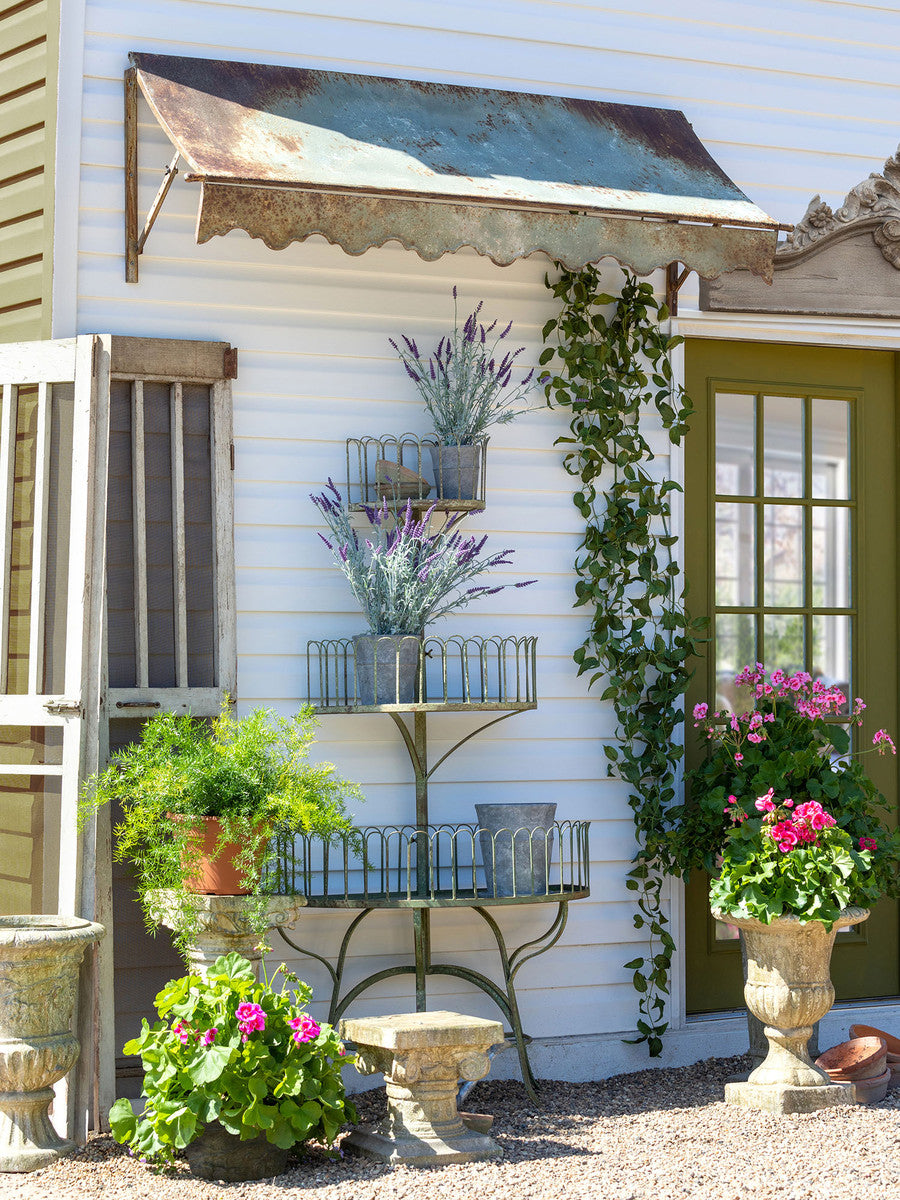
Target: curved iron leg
<point>337,972</point>
<point>514,1019</point>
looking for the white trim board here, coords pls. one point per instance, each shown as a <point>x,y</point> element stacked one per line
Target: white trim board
<point>858,332</point>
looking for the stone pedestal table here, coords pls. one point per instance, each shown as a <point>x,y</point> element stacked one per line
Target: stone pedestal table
<point>423,1056</point>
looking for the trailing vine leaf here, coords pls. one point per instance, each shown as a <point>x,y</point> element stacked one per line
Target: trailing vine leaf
<point>610,370</point>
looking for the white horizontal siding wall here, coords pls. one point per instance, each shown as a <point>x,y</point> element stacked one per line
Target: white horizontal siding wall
<point>790,96</point>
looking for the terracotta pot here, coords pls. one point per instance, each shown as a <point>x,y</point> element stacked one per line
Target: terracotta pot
<point>872,1091</point>
<point>218,876</point>
<point>860,1058</point>
<point>892,1043</point>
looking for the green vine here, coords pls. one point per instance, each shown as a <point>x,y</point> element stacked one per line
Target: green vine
<point>609,370</point>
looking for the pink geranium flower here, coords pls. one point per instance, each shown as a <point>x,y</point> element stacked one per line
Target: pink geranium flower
<point>250,1018</point>
<point>867,843</point>
<point>883,741</point>
<point>207,1039</point>
<point>305,1028</point>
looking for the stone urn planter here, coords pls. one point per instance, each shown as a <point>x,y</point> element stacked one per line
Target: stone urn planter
<point>39,961</point>
<point>223,924</point>
<point>789,988</point>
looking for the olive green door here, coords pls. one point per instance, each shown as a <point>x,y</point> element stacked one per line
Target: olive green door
<point>791,551</point>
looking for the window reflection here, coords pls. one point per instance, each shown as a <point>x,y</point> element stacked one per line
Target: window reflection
<point>735,444</point>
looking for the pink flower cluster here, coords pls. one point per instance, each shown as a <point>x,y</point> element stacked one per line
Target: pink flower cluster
<point>866,843</point>
<point>250,1018</point>
<point>183,1032</point>
<point>802,827</point>
<point>809,696</point>
<point>882,741</point>
<point>305,1028</point>
<point>737,814</point>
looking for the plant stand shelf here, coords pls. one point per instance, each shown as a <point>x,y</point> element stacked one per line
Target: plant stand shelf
<point>421,867</point>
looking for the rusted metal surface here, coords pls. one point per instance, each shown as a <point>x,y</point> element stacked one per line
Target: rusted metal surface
<point>284,152</point>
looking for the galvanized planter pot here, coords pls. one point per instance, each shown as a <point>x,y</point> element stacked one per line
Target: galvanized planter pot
<point>39,960</point>
<point>516,847</point>
<point>387,668</point>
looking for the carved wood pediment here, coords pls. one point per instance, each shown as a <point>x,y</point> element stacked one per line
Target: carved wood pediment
<point>843,261</point>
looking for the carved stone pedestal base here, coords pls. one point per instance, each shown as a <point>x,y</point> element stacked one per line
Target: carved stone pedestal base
<point>784,1098</point>
<point>423,1057</point>
<point>224,924</point>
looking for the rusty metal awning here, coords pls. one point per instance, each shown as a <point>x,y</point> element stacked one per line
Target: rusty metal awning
<point>284,153</point>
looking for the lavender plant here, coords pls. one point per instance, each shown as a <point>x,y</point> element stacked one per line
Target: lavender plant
<point>402,575</point>
<point>466,382</point>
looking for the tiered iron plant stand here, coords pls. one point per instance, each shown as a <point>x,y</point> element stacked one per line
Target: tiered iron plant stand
<point>419,867</point>
<point>424,866</point>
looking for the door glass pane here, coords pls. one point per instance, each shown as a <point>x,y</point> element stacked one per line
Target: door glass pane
<point>783,446</point>
<point>831,650</point>
<point>783,533</point>
<point>784,642</point>
<point>725,932</point>
<point>735,557</point>
<point>831,557</point>
<point>735,648</point>
<point>735,444</point>
<point>830,422</point>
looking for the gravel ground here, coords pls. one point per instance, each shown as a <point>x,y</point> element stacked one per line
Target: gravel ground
<point>654,1135</point>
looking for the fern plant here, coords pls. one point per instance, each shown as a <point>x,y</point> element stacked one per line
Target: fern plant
<point>252,774</point>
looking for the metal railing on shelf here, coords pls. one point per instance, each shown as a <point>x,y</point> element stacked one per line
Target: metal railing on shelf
<point>367,671</point>
<point>404,467</point>
<point>397,865</point>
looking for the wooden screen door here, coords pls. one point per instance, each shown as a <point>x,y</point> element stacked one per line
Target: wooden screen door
<point>53,446</point>
<point>791,551</point>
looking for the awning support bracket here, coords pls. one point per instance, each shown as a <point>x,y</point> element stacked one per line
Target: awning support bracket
<point>134,242</point>
<point>674,282</point>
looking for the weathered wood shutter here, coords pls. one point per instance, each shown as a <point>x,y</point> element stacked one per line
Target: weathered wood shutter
<point>170,589</point>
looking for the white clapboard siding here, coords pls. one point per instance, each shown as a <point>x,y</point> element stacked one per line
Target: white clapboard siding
<point>792,97</point>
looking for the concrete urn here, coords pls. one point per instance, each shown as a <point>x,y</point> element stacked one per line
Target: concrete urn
<point>40,958</point>
<point>789,988</point>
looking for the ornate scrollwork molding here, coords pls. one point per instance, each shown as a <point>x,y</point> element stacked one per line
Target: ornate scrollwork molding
<point>872,205</point>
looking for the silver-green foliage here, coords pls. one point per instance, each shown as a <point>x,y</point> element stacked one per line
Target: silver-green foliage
<point>401,575</point>
<point>467,382</point>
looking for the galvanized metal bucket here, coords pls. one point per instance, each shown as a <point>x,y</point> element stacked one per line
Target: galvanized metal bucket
<point>516,847</point>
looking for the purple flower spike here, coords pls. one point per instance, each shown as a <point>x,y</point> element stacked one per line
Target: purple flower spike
<point>326,541</point>
<point>454,291</point>
<point>525,583</point>
<point>506,331</point>
<point>410,372</point>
